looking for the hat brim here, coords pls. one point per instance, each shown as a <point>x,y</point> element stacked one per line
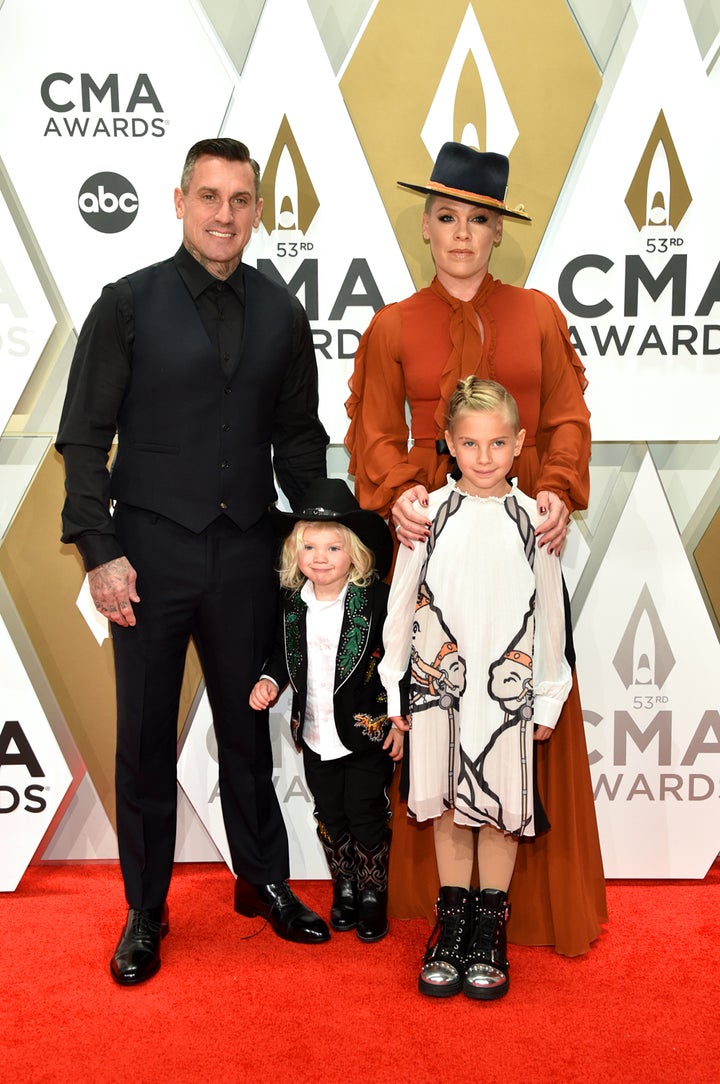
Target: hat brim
<point>371,529</point>
<point>432,188</point>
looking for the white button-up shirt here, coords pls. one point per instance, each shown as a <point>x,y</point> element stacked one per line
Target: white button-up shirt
<point>324,622</point>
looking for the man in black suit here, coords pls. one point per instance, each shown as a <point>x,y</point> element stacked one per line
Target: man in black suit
<point>205,369</point>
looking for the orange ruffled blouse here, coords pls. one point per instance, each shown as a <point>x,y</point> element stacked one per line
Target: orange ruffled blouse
<point>429,342</point>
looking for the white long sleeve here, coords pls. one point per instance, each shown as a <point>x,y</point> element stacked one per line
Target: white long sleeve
<point>552,677</point>
<point>397,632</point>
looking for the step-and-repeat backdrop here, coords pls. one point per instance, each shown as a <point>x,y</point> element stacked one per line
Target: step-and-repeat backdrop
<point>609,115</point>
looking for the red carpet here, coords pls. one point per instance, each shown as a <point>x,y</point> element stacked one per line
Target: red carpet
<point>643,1005</point>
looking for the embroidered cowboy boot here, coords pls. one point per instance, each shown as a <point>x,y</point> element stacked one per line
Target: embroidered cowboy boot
<point>372,880</point>
<point>444,961</point>
<point>487,975</point>
<point>340,856</point>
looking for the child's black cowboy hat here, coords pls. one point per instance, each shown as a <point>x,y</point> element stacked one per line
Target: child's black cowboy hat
<point>329,500</point>
<point>477,177</point>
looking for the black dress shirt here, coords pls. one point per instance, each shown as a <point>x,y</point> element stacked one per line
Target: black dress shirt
<point>101,371</point>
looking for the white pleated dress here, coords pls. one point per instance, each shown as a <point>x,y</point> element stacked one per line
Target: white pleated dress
<point>476,618</point>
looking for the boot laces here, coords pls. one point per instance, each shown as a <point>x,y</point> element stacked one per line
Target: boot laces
<point>487,928</point>
<point>445,941</point>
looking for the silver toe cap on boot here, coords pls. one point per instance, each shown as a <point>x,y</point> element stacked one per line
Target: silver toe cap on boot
<point>440,973</point>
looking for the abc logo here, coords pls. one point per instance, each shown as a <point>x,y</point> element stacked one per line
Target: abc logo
<point>108,202</point>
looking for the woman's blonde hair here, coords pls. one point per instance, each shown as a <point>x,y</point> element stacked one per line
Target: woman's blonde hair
<point>472,393</point>
<point>362,562</point>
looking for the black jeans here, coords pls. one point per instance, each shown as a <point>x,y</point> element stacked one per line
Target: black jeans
<point>351,793</point>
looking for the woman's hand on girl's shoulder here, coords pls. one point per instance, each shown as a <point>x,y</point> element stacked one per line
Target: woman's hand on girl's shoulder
<point>411,525</point>
<point>553,530</point>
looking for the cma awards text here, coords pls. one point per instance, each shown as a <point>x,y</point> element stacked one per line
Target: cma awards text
<point>358,290</point>
<point>17,756</point>
<point>654,741</point>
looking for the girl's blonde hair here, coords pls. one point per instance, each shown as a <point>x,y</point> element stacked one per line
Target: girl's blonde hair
<point>362,562</point>
<point>472,393</point>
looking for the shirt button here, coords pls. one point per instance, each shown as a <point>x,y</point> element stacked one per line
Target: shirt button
<point>227,390</point>
<point>223,505</point>
<point>225,464</point>
<point>225,427</point>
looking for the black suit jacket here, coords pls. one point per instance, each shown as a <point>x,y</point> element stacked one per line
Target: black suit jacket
<point>359,699</point>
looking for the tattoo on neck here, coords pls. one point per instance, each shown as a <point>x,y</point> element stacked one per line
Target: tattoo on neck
<point>217,270</point>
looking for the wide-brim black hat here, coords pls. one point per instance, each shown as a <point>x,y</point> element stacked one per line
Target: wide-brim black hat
<point>329,500</point>
<point>477,177</point>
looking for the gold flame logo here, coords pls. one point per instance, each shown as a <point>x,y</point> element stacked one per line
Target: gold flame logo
<point>470,102</point>
<point>659,194</point>
<point>289,199</point>
<point>470,105</point>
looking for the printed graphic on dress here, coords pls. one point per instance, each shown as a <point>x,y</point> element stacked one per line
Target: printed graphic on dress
<point>510,686</point>
<point>437,670</point>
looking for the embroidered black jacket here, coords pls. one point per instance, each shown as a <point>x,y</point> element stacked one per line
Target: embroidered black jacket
<point>359,699</point>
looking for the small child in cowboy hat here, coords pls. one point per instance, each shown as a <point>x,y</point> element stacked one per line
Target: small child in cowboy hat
<point>328,645</point>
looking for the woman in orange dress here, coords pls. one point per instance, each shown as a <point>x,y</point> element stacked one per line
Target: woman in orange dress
<point>412,354</point>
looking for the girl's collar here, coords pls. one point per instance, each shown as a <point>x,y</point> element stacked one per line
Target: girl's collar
<point>478,496</point>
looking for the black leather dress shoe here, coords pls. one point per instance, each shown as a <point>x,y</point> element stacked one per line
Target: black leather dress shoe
<point>137,956</point>
<point>289,918</point>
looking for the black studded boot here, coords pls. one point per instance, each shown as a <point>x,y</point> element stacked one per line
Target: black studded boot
<point>444,961</point>
<point>487,975</point>
<point>340,856</point>
<point>372,880</point>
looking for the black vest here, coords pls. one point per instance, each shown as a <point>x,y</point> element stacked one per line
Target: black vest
<point>194,444</point>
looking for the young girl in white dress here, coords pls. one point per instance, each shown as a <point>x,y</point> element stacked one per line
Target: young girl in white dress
<point>476,622</point>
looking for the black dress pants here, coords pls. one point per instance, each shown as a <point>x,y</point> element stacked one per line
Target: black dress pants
<point>350,793</point>
<point>220,588</point>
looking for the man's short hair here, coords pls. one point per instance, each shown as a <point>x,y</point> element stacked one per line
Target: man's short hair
<point>232,150</point>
